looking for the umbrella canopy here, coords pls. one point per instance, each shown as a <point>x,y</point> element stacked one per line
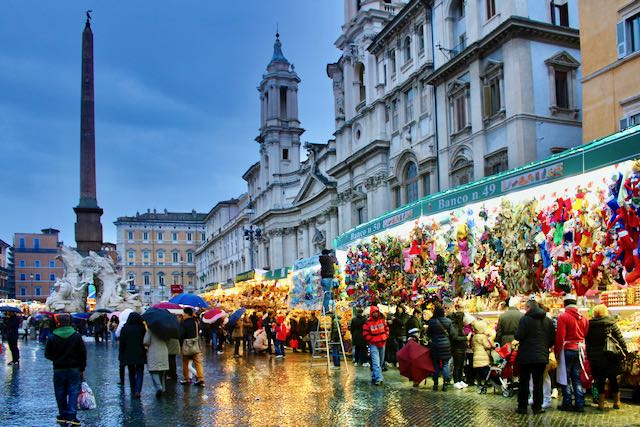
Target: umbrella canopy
<point>123,319</point>
<point>44,313</point>
<point>212,315</point>
<point>192,300</point>
<point>115,313</point>
<point>415,362</point>
<point>95,315</point>
<point>162,323</point>
<point>233,319</point>
<point>167,306</point>
<point>9,308</point>
<point>80,315</point>
<point>102,310</point>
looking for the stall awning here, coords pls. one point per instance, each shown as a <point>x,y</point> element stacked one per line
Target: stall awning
<point>278,273</point>
<point>607,151</point>
<point>247,275</point>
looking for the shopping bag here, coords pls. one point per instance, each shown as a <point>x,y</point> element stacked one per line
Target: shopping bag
<point>86,399</point>
<point>293,343</point>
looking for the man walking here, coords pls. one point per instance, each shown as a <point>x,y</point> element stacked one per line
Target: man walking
<point>190,332</point>
<point>12,325</point>
<point>66,350</point>
<point>375,333</point>
<point>569,349</point>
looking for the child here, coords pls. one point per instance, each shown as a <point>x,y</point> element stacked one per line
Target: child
<point>281,331</point>
<point>335,341</point>
<point>481,345</point>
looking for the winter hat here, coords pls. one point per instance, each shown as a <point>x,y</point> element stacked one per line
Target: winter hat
<point>413,332</point>
<point>570,299</point>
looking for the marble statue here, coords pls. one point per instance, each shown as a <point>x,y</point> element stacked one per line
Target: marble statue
<point>70,291</point>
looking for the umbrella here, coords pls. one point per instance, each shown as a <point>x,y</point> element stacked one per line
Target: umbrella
<point>102,310</point>
<point>10,308</point>
<point>192,300</point>
<point>233,319</point>
<point>80,315</point>
<point>115,313</point>
<point>123,319</point>
<point>212,315</point>
<point>162,323</point>
<point>167,306</point>
<point>44,313</point>
<point>95,315</point>
<point>415,362</point>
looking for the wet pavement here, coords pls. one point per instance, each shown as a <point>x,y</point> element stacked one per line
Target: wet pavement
<point>264,391</point>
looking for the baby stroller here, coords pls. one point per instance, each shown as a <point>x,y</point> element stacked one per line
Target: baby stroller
<point>502,373</point>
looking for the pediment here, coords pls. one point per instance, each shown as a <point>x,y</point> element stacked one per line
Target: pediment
<point>310,188</point>
<point>563,59</point>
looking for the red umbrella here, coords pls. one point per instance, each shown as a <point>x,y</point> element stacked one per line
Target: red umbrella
<point>415,362</point>
<point>167,306</point>
<point>212,315</point>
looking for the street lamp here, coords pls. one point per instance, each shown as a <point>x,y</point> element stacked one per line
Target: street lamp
<point>252,233</point>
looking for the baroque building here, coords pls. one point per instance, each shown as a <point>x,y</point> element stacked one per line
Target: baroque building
<point>434,94</point>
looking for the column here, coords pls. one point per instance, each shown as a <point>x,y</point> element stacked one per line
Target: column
<point>305,238</point>
<point>311,231</point>
<point>276,249</point>
<point>293,101</point>
<point>333,228</point>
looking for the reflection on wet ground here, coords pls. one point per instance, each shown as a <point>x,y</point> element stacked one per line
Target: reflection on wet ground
<point>264,391</point>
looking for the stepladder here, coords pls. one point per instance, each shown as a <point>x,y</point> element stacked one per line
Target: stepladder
<point>322,342</point>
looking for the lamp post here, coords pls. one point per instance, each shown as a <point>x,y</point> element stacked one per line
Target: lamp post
<point>252,233</point>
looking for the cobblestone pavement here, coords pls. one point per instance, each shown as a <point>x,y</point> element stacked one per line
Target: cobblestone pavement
<point>264,391</point>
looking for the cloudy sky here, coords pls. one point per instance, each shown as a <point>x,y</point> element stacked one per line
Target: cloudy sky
<point>177,108</point>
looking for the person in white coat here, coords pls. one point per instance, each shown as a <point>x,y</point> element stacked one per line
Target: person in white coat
<point>157,360</point>
<point>261,342</point>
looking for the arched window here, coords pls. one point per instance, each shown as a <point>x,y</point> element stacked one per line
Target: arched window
<point>160,279</point>
<point>411,182</point>
<point>359,74</point>
<point>461,169</point>
<point>407,49</point>
<point>458,27</point>
<point>146,277</point>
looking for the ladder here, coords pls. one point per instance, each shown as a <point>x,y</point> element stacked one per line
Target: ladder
<point>321,341</point>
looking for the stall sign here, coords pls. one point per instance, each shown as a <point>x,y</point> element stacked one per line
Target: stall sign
<point>176,289</point>
<point>247,275</point>
<point>278,273</point>
<point>306,262</point>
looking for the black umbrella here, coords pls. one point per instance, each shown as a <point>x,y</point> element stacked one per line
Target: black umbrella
<point>102,310</point>
<point>162,323</point>
<point>11,309</point>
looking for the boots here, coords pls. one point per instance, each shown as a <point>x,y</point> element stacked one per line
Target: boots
<point>435,385</point>
<point>601,402</point>
<point>616,400</point>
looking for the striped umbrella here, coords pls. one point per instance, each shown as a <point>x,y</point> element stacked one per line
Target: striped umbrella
<point>212,315</point>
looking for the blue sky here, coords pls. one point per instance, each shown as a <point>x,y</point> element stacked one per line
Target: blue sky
<point>177,108</point>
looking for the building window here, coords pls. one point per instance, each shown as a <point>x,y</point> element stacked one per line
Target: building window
<point>160,236</point>
<point>146,277</point>
<point>189,237</point>
<point>189,257</point>
<point>394,114</point>
<point>562,81</point>
<point>359,73</point>
<point>174,236</point>
<point>23,277</point>
<point>458,28</point>
<point>424,97</point>
<point>408,106</point>
<point>285,154</point>
<point>36,243</point>
<point>560,12</point>
<point>37,277</point>
<point>130,235</point>
<point>462,168</point>
<point>22,263</point>
<point>458,93</point>
<point>426,184</point>
<point>491,8</point>
<point>160,279</point>
<point>420,36</point>
<point>492,89</point>
<point>407,49</point>
<point>203,236</point>
<point>360,215</point>
<point>283,103</point>
<point>175,257</point>
<point>496,162</point>
<point>160,257</point>
<point>52,277</point>
<point>392,61</point>
<point>145,236</point>
<point>38,290</point>
<point>23,291</point>
<point>630,121</point>
<point>628,35</point>
<point>398,197</point>
<point>176,278</point>
<point>52,264</point>
<point>21,244</point>
<point>411,182</point>
<point>36,263</point>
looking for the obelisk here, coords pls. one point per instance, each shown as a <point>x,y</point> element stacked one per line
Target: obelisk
<point>88,228</point>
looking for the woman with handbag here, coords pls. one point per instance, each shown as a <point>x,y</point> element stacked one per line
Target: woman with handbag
<point>606,351</point>
<point>190,346</point>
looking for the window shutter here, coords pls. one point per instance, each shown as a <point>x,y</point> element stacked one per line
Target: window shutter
<point>621,35</point>
<point>486,101</point>
<point>624,123</point>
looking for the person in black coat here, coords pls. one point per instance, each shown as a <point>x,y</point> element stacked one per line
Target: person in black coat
<point>414,322</point>
<point>12,325</point>
<point>303,330</point>
<point>132,353</point>
<point>294,332</point>
<point>438,332</point>
<point>603,366</point>
<point>356,327</point>
<point>536,335</point>
<point>458,347</point>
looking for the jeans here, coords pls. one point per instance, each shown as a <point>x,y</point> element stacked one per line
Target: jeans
<point>572,361</point>
<point>158,378</point>
<point>248,342</point>
<point>533,371</point>
<point>440,365</point>
<point>481,374</point>
<point>214,339</point>
<point>136,375</point>
<point>458,366</point>
<point>326,287</point>
<point>335,354</point>
<point>15,351</point>
<point>44,334</point>
<point>279,347</point>
<point>113,336</point>
<point>66,385</point>
<point>377,358</point>
<point>197,362</point>
<point>219,341</point>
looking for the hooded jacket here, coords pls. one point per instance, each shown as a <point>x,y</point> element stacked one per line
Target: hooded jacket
<point>131,350</point>
<point>65,348</point>
<point>281,331</point>
<point>375,331</point>
<point>535,335</point>
<point>481,344</point>
<point>456,336</point>
<point>598,329</point>
<point>572,329</point>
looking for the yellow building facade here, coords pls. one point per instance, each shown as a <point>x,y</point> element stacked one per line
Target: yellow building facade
<point>610,46</point>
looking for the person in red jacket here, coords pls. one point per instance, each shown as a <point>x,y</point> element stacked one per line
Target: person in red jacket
<point>376,332</point>
<point>281,332</point>
<point>570,351</point>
